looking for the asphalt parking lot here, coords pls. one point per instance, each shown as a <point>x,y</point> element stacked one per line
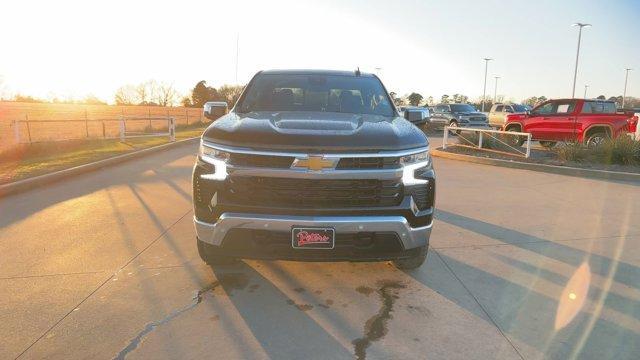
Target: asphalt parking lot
<point>522,265</point>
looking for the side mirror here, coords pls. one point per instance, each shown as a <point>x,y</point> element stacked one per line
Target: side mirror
<point>416,115</point>
<point>215,109</point>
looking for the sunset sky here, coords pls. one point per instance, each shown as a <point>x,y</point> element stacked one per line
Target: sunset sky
<point>74,48</point>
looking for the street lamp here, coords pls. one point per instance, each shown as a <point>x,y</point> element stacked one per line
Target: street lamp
<point>575,73</point>
<point>585,91</point>
<point>484,91</point>
<point>626,77</point>
<point>495,90</point>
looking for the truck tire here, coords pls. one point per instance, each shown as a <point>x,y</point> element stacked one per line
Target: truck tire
<point>596,139</point>
<point>413,262</point>
<point>514,140</point>
<point>548,144</point>
<point>210,255</point>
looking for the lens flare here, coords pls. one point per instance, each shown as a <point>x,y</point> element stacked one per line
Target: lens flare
<point>573,296</point>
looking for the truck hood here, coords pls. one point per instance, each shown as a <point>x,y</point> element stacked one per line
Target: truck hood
<point>315,132</point>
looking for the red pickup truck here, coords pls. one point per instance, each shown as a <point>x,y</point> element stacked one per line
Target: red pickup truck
<point>587,121</point>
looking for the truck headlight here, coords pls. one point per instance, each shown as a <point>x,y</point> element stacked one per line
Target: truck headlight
<point>217,158</point>
<point>411,163</point>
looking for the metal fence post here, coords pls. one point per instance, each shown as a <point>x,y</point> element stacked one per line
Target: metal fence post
<point>26,117</point>
<point>172,129</point>
<point>16,130</point>
<point>104,131</point>
<point>186,113</point>
<point>86,122</point>
<point>445,137</point>
<point>122,128</point>
<point>528,146</point>
<point>480,139</point>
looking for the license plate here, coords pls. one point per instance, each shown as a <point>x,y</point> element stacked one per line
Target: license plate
<point>313,238</point>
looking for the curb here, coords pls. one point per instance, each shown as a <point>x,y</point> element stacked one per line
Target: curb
<point>37,181</point>
<point>553,169</point>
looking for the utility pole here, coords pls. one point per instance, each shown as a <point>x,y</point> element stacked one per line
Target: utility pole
<point>495,90</point>
<point>237,55</point>
<point>585,91</point>
<point>626,77</point>
<point>575,72</point>
<point>484,91</point>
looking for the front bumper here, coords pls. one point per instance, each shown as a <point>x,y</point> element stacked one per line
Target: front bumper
<point>377,213</point>
<point>410,237</point>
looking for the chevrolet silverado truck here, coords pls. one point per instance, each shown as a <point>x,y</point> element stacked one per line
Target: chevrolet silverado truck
<point>314,166</point>
<point>581,120</point>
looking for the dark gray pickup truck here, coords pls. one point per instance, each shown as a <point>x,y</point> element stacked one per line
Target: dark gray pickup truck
<point>314,166</point>
<point>463,115</point>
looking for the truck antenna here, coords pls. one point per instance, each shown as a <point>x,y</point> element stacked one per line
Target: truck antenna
<point>358,71</point>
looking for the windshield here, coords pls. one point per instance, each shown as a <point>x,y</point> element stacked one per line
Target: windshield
<point>462,108</point>
<point>519,108</point>
<point>325,93</point>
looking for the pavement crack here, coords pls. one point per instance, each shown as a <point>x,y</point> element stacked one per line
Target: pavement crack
<point>137,340</point>
<point>376,327</point>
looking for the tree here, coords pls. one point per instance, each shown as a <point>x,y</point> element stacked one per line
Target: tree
<point>186,101</point>
<point>229,93</point>
<point>429,101</point>
<point>27,98</point>
<point>460,99</point>
<point>92,100</point>
<point>201,93</point>
<point>444,99</point>
<point>125,95</point>
<point>415,99</point>
<point>166,94</point>
<point>601,97</point>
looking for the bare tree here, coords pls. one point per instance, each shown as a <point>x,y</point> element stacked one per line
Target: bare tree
<point>126,95</point>
<point>166,94</point>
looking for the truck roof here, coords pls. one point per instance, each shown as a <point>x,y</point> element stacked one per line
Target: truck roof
<point>315,72</point>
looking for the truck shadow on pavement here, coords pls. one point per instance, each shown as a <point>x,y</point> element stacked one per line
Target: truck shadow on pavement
<point>283,331</point>
<point>528,316</point>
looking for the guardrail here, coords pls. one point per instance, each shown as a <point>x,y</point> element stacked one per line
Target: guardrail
<point>482,133</point>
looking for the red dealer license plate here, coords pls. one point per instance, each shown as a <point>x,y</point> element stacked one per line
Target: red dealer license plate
<point>313,238</point>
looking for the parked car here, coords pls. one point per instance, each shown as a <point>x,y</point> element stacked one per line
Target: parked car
<point>463,115</point>
<point>498,113</point>
<point>588,121</point>
<point>314,166</point>
<point>416,114</point>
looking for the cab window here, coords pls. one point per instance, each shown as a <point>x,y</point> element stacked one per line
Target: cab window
<point>593,107</point>
<point>499,108</point>
<point>555,108</point>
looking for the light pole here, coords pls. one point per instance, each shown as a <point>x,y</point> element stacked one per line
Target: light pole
<point>484,91</point>
<point>626,77</point>
<point>237,55</point>
<point>585,91</point>
<point>575,72</point>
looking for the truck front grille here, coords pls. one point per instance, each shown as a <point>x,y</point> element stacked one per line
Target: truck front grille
<point>269,161</point>
<point>368,163</point>
<point>311,193</point>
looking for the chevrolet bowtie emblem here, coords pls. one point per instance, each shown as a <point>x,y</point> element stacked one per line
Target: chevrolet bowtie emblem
<point>315,163</point>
